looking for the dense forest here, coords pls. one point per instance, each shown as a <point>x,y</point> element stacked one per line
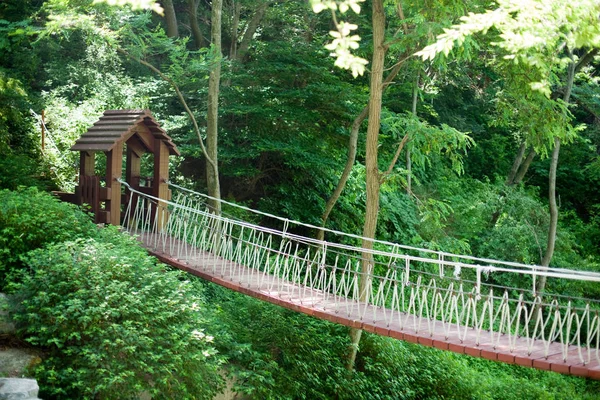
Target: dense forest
<point>475,135</point>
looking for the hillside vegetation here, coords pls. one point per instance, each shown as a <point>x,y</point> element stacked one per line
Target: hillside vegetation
<point>489,150</point>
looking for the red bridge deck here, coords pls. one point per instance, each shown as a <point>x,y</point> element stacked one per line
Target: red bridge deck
<point>325,306</point>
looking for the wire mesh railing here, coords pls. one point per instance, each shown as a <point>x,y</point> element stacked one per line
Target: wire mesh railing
<point>410,289</point>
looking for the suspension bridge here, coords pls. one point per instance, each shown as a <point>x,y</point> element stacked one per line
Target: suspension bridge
<point>481,307</point>
<point>451,302</point>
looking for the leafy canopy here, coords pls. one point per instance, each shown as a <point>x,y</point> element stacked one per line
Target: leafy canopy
<point>531,32</point>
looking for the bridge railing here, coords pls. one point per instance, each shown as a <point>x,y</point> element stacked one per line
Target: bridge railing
<point>411,289</point>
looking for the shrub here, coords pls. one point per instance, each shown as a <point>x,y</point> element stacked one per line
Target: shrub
<point>114,323</point>
<point>29,219</point>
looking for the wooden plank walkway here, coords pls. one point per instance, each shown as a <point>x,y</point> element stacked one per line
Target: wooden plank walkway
<point>346,312</point>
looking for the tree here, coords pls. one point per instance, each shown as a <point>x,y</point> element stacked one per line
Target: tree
<point>170,18</point>
<point>194,25</point>
<point>212,116</point>
<point>542,36</point>
<point>373,177</point>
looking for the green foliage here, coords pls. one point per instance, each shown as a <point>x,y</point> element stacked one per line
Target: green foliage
<point>14,121</point>
<point>499,381</point>
<point>399,217</point>
<point>20,170</point>
<point>425,140</point>
<point>275,353</point>
<point>113,323</point>
<point>529,32</point>
<point>30,219</point>
<point>285,117</point>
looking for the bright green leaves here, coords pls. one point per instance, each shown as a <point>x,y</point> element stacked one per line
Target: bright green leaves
<point>135,4</point>
<point>29,220</point>
<point>530,32</point>
<point>427,140</point>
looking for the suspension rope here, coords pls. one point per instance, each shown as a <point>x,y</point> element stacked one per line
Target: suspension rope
<point>533,270</point>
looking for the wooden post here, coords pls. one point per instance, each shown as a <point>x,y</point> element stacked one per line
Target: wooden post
<point>160,188</point>
<point>133,167</point>
<point>86,169</point>
<point>87,161</point>
<point>114,166</point>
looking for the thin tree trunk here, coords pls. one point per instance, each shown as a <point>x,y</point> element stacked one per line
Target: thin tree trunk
<point>237,9</point>
<point>352,146</point>
<point>212,171</point>
<point>516,164</point>
<point>181,100</point>
<point>251,30</point>
<point>524,167</point>
<point>516,175</point>
<point>541,282</point>
<point>170,18</point>
<point>194,25</point>
<point>372,169</point>
<point>408,156</point>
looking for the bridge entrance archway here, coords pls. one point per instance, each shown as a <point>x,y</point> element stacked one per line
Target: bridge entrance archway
<point>125,137</point>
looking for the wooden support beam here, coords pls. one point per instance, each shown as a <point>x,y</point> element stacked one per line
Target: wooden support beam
<point>114,166</point>
<point>160,188</point>
<point>87,163</point>
<point>133,165</point>
<point>145,136</point>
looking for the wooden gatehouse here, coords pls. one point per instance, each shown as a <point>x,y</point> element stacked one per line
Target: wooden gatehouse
<point>121,132</point>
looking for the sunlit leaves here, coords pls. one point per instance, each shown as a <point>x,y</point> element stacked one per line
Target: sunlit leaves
<point>135,4</point>
<point>342,46</point>
<point>531,32</point>
<point>342,5</point>
<point>344,42</point>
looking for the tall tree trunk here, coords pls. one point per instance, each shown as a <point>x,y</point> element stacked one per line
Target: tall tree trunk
<point>212,170</point>
<point>372,168</point>
<point>541,282</point>
<point>170,18</point>
<point>235,24</point>
<point>351,157</point>
<point>408,155</point>
<point>194,25</point>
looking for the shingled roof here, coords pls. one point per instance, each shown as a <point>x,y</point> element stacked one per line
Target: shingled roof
<point>115,126</point>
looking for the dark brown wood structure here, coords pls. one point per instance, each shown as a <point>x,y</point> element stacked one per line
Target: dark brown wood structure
<point>119,132</point>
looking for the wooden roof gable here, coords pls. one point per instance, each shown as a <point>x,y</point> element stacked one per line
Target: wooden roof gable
<point>116,126</point>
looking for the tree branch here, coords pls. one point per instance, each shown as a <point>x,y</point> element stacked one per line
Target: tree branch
<point>179,95</point>
<point>400,11</point>
<point>251,30</point>
<point>385,175</point>
<point>585,60</point>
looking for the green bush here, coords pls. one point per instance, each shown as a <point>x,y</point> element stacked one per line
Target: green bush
<point>29,219</point>
<point>114,323</point>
